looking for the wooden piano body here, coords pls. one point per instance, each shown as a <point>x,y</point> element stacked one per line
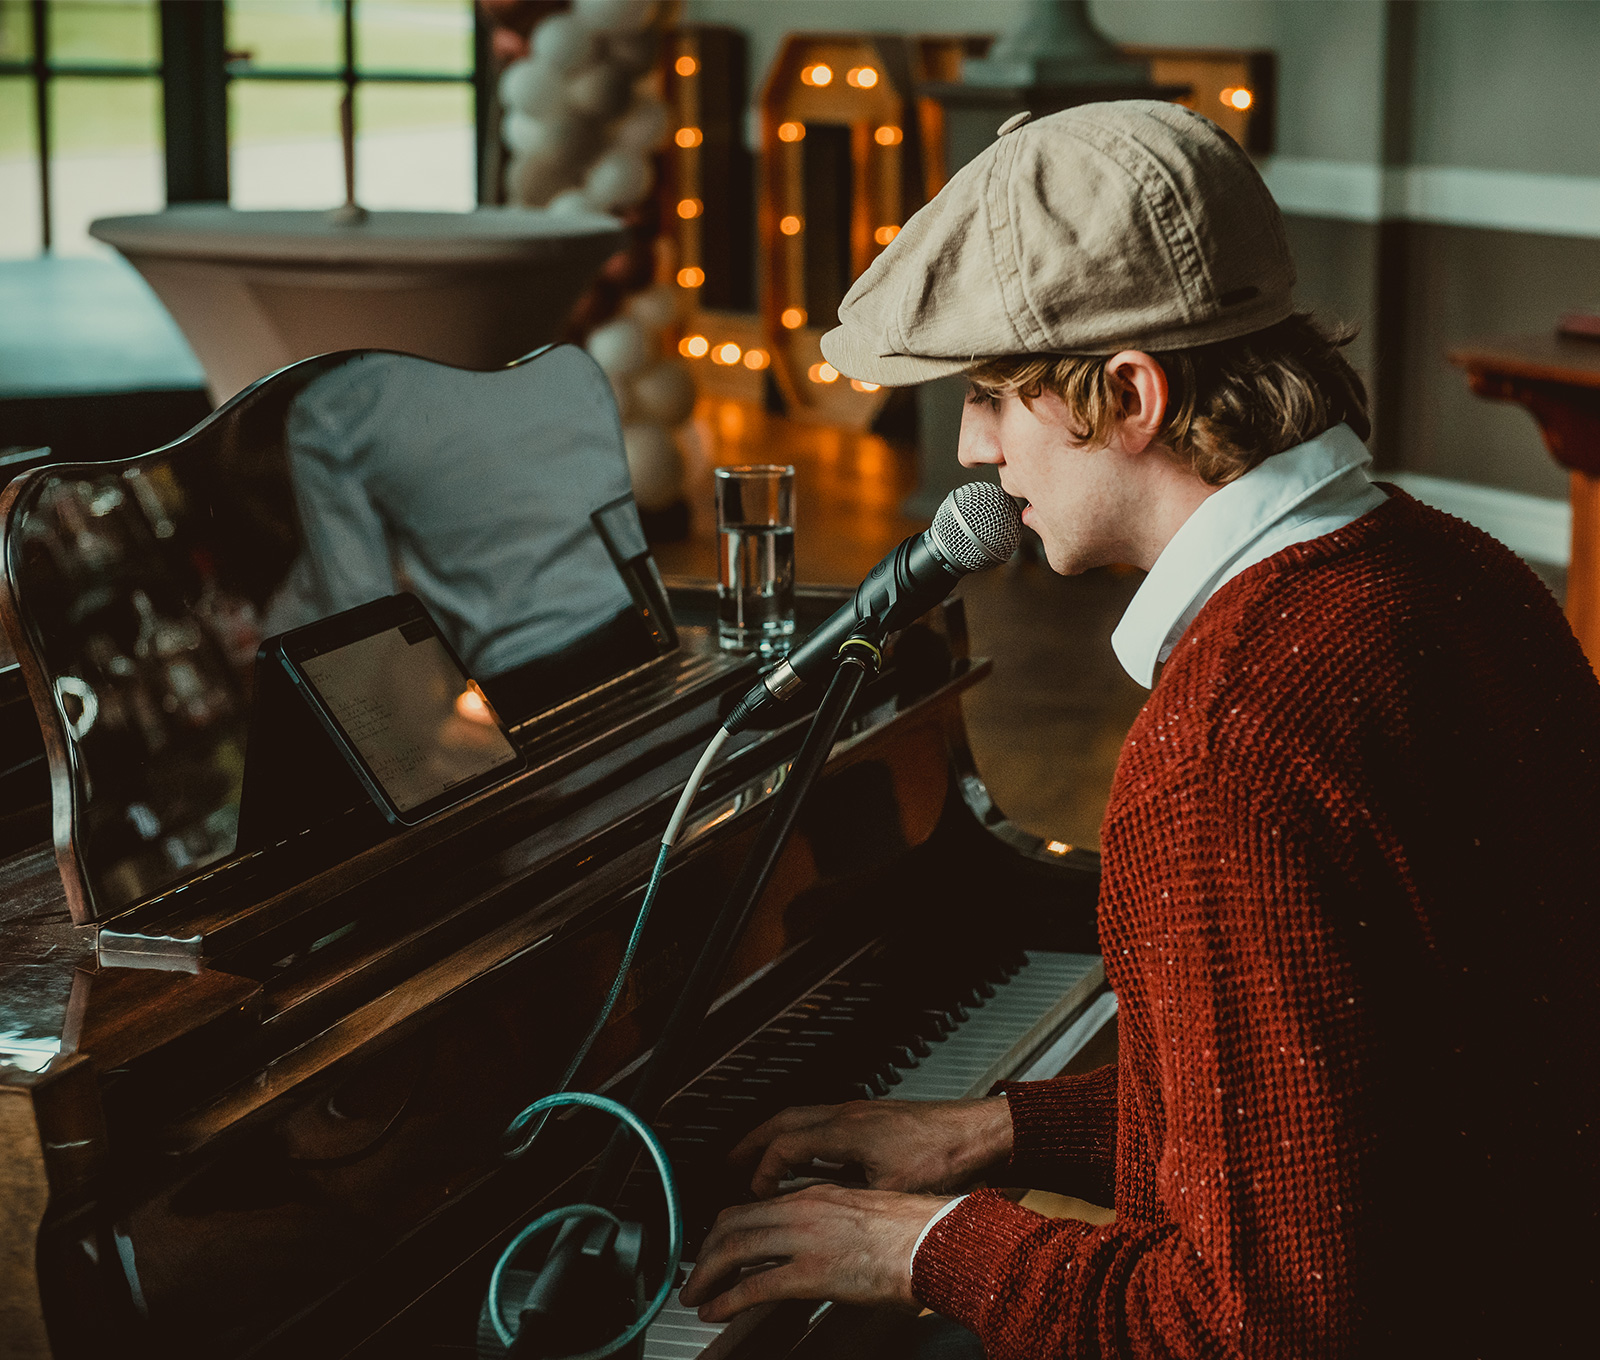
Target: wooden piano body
<point>258,1110</point>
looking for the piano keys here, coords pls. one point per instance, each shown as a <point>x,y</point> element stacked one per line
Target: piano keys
<point>1027,1016</point>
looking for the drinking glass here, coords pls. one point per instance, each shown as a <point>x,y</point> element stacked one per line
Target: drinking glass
<point>755,538</point>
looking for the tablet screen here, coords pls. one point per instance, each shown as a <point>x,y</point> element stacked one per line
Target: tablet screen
<point>420,726</point>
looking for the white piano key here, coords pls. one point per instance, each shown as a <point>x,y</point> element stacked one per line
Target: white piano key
<point>999,1037</point>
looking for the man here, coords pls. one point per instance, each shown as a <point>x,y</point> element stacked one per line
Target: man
<point>1348,895</point>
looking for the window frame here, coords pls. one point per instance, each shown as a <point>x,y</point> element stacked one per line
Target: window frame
<point>195,71</point>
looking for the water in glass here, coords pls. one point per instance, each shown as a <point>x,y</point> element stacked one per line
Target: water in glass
<point>755,592</point>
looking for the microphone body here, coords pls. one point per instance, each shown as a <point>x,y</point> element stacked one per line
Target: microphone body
<point>977,527</point>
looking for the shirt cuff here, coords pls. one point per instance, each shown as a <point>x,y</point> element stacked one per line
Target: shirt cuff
<point>928,1227</point>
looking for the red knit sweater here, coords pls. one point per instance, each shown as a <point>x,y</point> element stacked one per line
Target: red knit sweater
<point>1349,907</point>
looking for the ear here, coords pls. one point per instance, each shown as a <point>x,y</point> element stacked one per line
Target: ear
<point>1141,384</point>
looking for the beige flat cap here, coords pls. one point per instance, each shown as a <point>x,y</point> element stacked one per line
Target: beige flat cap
<point>1127,225</point>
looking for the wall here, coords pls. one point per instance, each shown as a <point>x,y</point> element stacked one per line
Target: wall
<point>1438,160</point>
<point>1508,85</point>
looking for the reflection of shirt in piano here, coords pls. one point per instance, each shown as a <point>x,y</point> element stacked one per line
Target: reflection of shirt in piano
<point>491,531</point>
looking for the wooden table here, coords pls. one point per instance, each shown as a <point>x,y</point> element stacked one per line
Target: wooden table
<point>1558,380</point>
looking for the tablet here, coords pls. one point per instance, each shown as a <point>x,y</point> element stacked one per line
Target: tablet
<point>389,690</point>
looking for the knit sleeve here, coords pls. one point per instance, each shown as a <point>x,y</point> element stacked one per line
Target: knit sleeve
<point>1064,1133</point>
<point>1229,946</point>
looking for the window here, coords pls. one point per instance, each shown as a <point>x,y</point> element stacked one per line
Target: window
<point>83,132</point>
<point>80,119</point>
<point>409,65</point>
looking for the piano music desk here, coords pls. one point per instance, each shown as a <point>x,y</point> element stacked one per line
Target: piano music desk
<point>1558,380</point>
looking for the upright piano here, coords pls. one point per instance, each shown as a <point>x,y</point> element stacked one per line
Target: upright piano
<point>254,1084</point>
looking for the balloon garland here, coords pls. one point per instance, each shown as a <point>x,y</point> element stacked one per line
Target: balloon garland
<point>583,116</point>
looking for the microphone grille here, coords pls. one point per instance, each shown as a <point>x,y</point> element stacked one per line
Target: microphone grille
<point>977,526</point>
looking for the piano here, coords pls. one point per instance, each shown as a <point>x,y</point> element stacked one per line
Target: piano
<point>254,1087</point>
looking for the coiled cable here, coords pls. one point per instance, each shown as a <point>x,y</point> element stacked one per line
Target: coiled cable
<point>568,1212</point>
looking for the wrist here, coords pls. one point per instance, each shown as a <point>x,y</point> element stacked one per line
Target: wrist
<point>988,1142</point>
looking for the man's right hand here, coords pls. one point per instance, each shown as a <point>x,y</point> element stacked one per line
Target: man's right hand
<point>908,1145</point>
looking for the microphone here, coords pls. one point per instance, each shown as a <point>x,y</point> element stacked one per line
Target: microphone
<point>977,527</point>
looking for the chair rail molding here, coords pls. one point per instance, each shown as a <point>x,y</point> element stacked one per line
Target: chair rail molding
<point>1500,200</point>
<point>1538,528</point>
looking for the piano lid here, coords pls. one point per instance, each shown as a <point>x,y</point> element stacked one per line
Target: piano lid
<point>137,593</point>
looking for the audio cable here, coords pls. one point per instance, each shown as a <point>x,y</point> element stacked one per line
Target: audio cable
<point>569,1212</point>
<point>669,838</point>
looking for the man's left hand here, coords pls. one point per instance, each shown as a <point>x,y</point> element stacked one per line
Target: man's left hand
<point>828,1242</point>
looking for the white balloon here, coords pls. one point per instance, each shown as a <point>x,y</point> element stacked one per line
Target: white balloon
<point>655,308</point>
<point>644,125</point>
<point>617,179</point>
<point>563,42</point>
<point>570,201</point>
<point>620,347</point>
<point>525,135</point>
<point>534,87</point>
<point>513,82</point>
<point>664,393</point>
<point>654,464</point>
<point>620,16</point>
<point>600,91</point>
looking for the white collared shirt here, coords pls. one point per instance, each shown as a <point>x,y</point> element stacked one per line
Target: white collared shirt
<point>1294,496</point>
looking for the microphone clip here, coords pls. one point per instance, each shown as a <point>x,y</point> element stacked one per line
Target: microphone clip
<point>859,649</point>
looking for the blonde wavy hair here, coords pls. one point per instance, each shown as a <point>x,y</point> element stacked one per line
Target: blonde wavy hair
<point>1230,405</point>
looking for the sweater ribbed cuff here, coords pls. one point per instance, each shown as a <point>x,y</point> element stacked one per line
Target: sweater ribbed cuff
<point>1062,1123</point>
<point>967,1258</point>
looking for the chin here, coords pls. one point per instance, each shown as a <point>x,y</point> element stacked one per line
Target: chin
<point>1065,561</point>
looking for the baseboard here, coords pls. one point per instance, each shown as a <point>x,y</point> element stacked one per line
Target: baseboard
<point>1538,528</point>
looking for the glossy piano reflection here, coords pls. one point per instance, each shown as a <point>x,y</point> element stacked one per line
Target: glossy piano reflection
<point>501,499</point>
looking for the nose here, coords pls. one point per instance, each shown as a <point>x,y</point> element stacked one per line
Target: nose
<point>979,444</point>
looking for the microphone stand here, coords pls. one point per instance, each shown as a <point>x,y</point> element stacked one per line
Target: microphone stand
<point>558,1315</point>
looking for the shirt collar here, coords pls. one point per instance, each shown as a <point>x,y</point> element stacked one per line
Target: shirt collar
<point>1267,507</point>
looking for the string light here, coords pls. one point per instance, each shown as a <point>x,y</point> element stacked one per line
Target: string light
<point>688,136</point>
<point>818,75</point>
<point>689,207</point>
<point>691,276</point>
<point>791,132</point>
<point>686,66</point>
<point>863,77</point>
<point>822,373</point>
<point>693,346</point>
<point>726,354</point>
<point>756,359</point>
<point>888,135</point>
<point>790,225</point>
<point>864,386</point>
<point>793,318</point>
<point>884,235</point>
<point>1236,97</point>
